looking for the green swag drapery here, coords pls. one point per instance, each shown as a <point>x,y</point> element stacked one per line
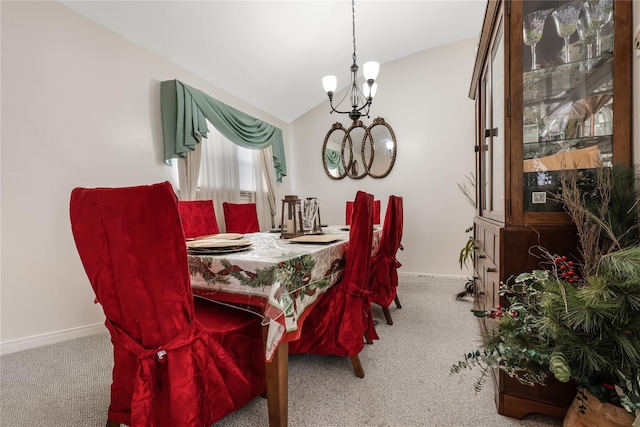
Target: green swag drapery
<point>184,110</point>
<point>333,159</point>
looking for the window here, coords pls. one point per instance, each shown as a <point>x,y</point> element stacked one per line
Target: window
<point>245,170</point>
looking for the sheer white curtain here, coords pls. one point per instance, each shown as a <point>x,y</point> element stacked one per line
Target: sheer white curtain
<point>219,178</point>
<point>188,172</point>
<point>265,186</point>
<point>213,169</point>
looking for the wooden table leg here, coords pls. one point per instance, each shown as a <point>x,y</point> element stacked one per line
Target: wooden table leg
<point>277,373</point>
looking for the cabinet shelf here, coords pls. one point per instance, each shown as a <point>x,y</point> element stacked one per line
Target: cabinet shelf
<point>565,83</point>
<point>547,148</point>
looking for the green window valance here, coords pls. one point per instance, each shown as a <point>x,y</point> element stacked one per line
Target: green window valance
<point>184,110</point>
<point>333,159</point>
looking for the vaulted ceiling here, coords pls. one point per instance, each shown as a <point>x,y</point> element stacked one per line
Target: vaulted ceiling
<point>273,54</point>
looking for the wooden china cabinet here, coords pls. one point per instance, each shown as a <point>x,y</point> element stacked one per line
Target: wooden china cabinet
<point>569,106</point>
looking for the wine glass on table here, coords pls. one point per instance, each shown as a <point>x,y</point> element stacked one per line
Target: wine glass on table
<point>566,19</point>
<point>309,214</point>
<point>598,13</point>
<point>532,27</point>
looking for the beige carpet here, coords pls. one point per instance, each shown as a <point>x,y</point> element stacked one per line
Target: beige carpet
<point>407,381</point>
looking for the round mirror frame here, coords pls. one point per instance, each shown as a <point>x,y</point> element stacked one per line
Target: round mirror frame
<point>351,168</point>
<point>336,127</point>
<point>379,121</point>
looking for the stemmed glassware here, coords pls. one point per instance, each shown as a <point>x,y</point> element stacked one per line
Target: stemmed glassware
<point>598,13</point>
<point>566,19</point>
<point>310,212</point>
<point>532,27</point>
<point>587,33</point>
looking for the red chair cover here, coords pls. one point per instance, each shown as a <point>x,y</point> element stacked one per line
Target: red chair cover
<point>241,217</point>
<point>376,212</point>
<point>198,218</point>
<point>384,265</point>
<point>169,369</point>
<point>337,323</point>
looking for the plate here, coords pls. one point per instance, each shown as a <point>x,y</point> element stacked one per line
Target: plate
<point>224,236</point>
<point>217,243</point>
<point>217,251</point>
<point>317,238</point>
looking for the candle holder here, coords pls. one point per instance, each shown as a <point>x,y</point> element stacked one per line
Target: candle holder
<point>291,221</point>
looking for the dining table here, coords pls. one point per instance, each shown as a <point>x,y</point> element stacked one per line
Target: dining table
<point>278,279</point>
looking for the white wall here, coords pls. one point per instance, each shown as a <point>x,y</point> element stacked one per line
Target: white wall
<point>424,99</point>
<point>80,107</point>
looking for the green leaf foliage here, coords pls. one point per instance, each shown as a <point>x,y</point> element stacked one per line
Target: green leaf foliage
<point>577,322</point>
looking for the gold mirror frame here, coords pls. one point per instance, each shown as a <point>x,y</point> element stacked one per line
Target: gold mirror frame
<point>352,166</point>
<point>367,146</point>
<point>330,172</point>
<point>379,123</point>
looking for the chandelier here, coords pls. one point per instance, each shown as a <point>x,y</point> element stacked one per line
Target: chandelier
<point>360,99</point>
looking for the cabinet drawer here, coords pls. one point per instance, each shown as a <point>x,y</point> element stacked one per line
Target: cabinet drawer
<point>488,243</point>
<point>487,283</point>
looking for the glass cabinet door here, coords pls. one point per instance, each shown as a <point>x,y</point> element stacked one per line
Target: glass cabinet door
<point>498,125</point>
<point>492,146</point>
<point>567,94</point>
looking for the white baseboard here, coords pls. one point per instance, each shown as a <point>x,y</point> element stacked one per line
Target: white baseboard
<point>416,276</point>
<point>26,343</point>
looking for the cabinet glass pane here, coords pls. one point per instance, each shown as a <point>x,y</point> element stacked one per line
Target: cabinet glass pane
<point>497,134</point>
<point>567,93</point>
<point>484,157</point>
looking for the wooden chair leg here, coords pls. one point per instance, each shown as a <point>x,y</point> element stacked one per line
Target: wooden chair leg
<point>357,366</point>
<point>397,300</point>
<point>111,423</point>
<point>387,315</point>
<point>367,339</point>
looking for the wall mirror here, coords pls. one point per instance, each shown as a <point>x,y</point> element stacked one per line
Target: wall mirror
<point>332,152</point>
<point>382,151</point>
<point>353,147</point>
<point>359,151</point>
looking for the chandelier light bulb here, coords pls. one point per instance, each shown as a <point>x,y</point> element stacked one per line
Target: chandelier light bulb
<point>329,83</point>
<point>365,89</point>
<point>370,70</point>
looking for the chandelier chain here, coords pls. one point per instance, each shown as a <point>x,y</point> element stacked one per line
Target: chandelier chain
<point>353,21</point>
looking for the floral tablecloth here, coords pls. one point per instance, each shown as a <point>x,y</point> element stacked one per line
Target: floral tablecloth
<point>279,277</point>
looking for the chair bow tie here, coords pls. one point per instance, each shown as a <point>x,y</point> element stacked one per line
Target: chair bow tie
<point>149,358</point>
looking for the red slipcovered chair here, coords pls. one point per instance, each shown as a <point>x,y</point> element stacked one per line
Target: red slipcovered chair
<point>241,217</point>
<point>342,316</point>
<point>376,212</point>
<point>176,363</point>
<point>383,281</point>
<point>198,218</point>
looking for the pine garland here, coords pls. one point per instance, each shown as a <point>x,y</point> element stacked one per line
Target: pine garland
<point>579,322</point>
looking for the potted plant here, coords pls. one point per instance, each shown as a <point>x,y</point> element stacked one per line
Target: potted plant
<point>467,188</point>
<point>578,321</point>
